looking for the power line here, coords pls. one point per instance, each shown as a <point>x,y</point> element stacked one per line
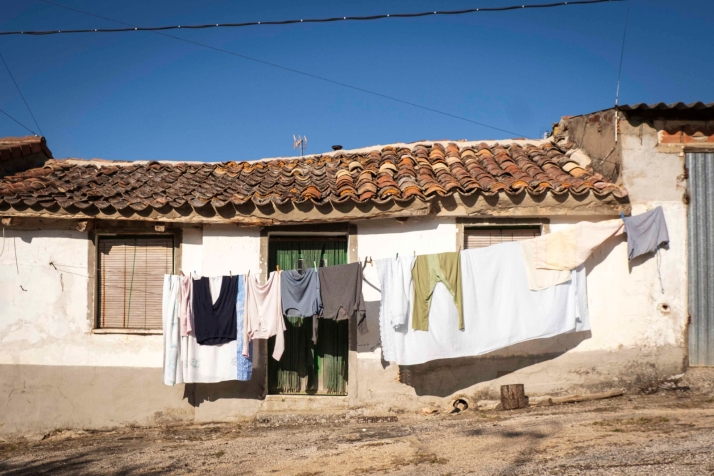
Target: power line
<point>23,125</point>
<point>303,73</point>
<point>308,20</point>
<point>21,95</point>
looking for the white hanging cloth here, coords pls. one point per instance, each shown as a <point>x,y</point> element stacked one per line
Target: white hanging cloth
<point>173,367</point>
<point>499,310</point>
<point>185,360</point>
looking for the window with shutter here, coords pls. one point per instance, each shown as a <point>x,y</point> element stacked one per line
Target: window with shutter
<point>131,272</point>
<point>487,236</point>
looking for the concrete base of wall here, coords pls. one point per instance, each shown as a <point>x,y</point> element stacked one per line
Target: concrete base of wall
<point>42,398</point>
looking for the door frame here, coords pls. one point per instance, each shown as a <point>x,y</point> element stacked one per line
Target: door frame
<point>329,229</point>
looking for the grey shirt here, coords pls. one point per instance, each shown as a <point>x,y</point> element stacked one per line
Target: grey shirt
<point>341,291</point>
<point>300,293</point>
<point>645,232</point>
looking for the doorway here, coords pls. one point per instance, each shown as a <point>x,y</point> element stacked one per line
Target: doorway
<point>306,368</point>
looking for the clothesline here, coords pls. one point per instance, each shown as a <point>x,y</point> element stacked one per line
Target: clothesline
<point>433,306</point>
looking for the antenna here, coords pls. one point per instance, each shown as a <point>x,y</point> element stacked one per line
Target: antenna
<point>300,142</point>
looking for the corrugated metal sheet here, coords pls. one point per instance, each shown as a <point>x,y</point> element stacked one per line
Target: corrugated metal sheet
<point>701,258</point>
<point>675,106</point>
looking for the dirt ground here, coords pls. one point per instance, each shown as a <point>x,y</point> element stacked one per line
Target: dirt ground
<point>668,432</point>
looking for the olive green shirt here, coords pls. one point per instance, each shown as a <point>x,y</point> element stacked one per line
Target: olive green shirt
<point>429,270</point>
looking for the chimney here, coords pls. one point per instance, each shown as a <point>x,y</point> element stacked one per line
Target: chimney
<point>336,147</point>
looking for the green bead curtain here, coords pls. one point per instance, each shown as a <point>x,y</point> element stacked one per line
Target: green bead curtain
<point>306,368</point>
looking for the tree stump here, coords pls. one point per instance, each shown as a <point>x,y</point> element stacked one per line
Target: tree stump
<point>513,397</point>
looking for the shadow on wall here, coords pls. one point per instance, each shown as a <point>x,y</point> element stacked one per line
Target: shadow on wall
<point>442,378</point>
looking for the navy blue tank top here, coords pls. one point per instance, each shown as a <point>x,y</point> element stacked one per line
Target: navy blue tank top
<point>215,323</point>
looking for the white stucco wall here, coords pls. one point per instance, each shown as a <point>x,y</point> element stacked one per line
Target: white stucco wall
<point>386,238</point>
<point>626,303</point>
<point>229,249</point>
<point>48,324</point>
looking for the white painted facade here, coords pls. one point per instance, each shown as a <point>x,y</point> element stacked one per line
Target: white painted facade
<point>45,318</point>
<point>50,355</point>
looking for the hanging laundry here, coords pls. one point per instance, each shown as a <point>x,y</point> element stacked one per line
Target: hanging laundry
<point>568,249</point>
<point>185,313</point>
<point>185,360</point>
<point>499,310</point>
<point>209,363</point>
<point>214,318</point>
<point>173,367</point>
<point>244,364</point>
<point>395,276</point>
<point>539,279</point>
<point>341,292</point>
<point>645,232</point>
<point>300,293</point>
<point>264,314</point>
<point>429,270</point>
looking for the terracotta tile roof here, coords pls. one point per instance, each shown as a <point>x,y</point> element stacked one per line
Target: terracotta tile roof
<point>400,173</point>
<point>17,147</point>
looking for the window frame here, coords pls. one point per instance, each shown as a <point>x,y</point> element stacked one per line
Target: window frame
<point>464,224</point>
<point>122,230</point>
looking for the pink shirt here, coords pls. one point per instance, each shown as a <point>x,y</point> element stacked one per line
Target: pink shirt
<point>264,313</point>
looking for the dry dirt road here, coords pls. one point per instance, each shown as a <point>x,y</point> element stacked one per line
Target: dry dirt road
<point>668,433</point>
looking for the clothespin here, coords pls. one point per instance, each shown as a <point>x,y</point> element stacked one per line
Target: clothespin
<point>415,253</point>
<point>314,264</point>
<point>622,215</point>
<point>249,273</point>
<point>277,268</point>
<point>397,255</point>
<point>181,272</point>
<point>230,273</point>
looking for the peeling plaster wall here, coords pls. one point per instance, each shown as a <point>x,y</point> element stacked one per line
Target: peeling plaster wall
<point>54,372</point>
<point>48,323</point>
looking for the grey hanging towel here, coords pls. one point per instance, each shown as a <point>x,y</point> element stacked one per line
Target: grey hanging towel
<point>300,293</point>
<point>645,232</point>
<point>341,291</point>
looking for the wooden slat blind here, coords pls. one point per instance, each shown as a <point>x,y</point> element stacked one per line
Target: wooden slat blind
<point>482,237</point>
<point>131,272</point>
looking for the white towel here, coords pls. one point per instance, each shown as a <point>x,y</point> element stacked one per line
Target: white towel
<point>499,310</point>
<point>395,276</point>
<point>173,368</point>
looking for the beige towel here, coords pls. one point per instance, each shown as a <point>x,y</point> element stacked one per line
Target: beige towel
<point>540,278</point>
<point>568,249</point>
<point>550,258</point>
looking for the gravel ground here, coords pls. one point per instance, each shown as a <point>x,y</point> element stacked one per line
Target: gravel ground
<point>670,432</point>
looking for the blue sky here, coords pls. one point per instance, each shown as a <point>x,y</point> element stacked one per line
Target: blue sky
<point>143,96</point>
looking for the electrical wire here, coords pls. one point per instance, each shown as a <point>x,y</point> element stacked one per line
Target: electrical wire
<point>59,270</point>
<point>23,125</point>
<point>302,73</point>
<point>308,20</point>
<point>19,91</point>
